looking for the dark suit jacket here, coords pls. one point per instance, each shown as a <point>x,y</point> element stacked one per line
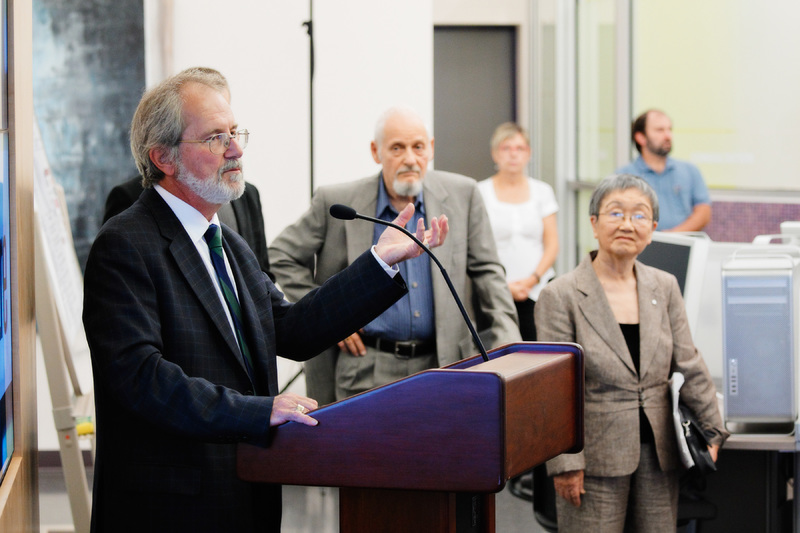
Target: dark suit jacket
<point>247,210</point>
<point>172,394</point>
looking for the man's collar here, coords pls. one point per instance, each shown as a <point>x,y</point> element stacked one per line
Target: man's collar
<point>190,218</point>
<point>643,166</point>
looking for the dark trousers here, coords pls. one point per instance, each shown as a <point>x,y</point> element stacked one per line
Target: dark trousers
<point>527,327</point>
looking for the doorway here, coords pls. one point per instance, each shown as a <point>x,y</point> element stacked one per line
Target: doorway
<point>474,88</point>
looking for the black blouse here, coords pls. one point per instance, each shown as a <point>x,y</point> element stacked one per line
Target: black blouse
<point>631,334</point>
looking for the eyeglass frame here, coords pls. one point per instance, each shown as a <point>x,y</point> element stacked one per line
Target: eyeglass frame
<point>226,143</point>
<point>637,219</point>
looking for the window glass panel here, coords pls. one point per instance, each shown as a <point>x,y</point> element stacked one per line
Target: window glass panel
<point>725,72</point>
<point>595,88</point>
<point>585,238</point>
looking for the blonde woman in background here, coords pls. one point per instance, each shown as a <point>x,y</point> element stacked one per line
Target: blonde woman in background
<point>522,211</point>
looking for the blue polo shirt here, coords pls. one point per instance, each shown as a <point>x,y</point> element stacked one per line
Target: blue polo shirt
<point>678,189</point>
<point>411,317</point>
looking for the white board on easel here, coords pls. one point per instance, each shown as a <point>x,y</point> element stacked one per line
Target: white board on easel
<point>59,308</point>
<point>63,268</point>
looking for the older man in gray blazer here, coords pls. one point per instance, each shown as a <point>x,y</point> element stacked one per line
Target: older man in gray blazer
<point>425,329</point>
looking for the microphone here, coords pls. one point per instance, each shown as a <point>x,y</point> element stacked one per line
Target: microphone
<point>343,212</point>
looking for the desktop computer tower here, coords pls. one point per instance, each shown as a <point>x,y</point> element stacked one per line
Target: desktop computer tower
<point>760,349</point>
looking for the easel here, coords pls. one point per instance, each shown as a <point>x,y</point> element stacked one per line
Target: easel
<point>59,306</point>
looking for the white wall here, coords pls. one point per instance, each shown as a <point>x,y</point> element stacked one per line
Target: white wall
<point>262,48</point>
<point>368,56</point>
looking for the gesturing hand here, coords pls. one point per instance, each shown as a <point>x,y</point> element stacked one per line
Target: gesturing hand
<point>394,247</point>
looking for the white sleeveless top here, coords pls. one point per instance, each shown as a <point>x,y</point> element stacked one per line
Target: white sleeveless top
<point>518,230</point>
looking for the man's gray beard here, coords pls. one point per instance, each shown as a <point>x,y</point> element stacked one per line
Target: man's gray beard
<point>407,189</point>
<point>214,189</point>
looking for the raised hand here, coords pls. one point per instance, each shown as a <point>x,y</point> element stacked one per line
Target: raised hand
<point>394,247</point>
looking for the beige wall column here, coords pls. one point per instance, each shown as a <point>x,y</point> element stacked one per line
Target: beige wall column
<point>19,494</point>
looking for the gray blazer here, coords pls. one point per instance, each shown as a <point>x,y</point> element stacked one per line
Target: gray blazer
<point>574,308</point>
<point>468,254</point>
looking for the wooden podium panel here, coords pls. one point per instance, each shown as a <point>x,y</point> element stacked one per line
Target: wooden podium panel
<point>543,407</point>
<point>414,510</point>
<point>464,428</point>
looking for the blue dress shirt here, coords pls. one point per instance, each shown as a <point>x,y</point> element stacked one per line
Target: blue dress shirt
<point>678,189</point>
<point>411,317</point>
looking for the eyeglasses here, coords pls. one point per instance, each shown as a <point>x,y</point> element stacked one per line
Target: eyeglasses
<point>637,219</point>
<point>218,144</point>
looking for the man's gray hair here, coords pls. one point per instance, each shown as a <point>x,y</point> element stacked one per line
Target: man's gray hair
<point>401,110</point>
<point>622,182</point>
<point>158,120</point>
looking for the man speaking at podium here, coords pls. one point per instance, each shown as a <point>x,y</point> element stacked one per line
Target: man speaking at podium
<point>184,326</point>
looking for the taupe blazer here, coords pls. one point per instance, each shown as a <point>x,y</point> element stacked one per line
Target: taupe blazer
<point>318,246</point>
<point>574,308</point>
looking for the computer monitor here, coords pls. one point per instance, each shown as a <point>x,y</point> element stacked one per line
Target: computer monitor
<point>683,255</point>
<point>791,228</point>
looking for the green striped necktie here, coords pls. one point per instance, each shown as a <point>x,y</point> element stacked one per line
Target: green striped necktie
<point>213,237</point>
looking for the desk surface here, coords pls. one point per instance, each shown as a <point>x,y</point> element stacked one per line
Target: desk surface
<point>752,441</point>
<point>780,443</point>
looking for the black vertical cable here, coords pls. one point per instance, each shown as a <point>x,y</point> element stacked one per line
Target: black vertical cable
<point>310,30</point>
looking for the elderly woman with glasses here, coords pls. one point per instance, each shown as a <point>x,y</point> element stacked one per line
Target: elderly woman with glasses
<point>630,320</point>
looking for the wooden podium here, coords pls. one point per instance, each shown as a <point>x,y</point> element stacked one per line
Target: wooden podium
<point>428,452</point>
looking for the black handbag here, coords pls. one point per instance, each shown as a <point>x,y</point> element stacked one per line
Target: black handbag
<point>692,443</point>
<point>696,441</point>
